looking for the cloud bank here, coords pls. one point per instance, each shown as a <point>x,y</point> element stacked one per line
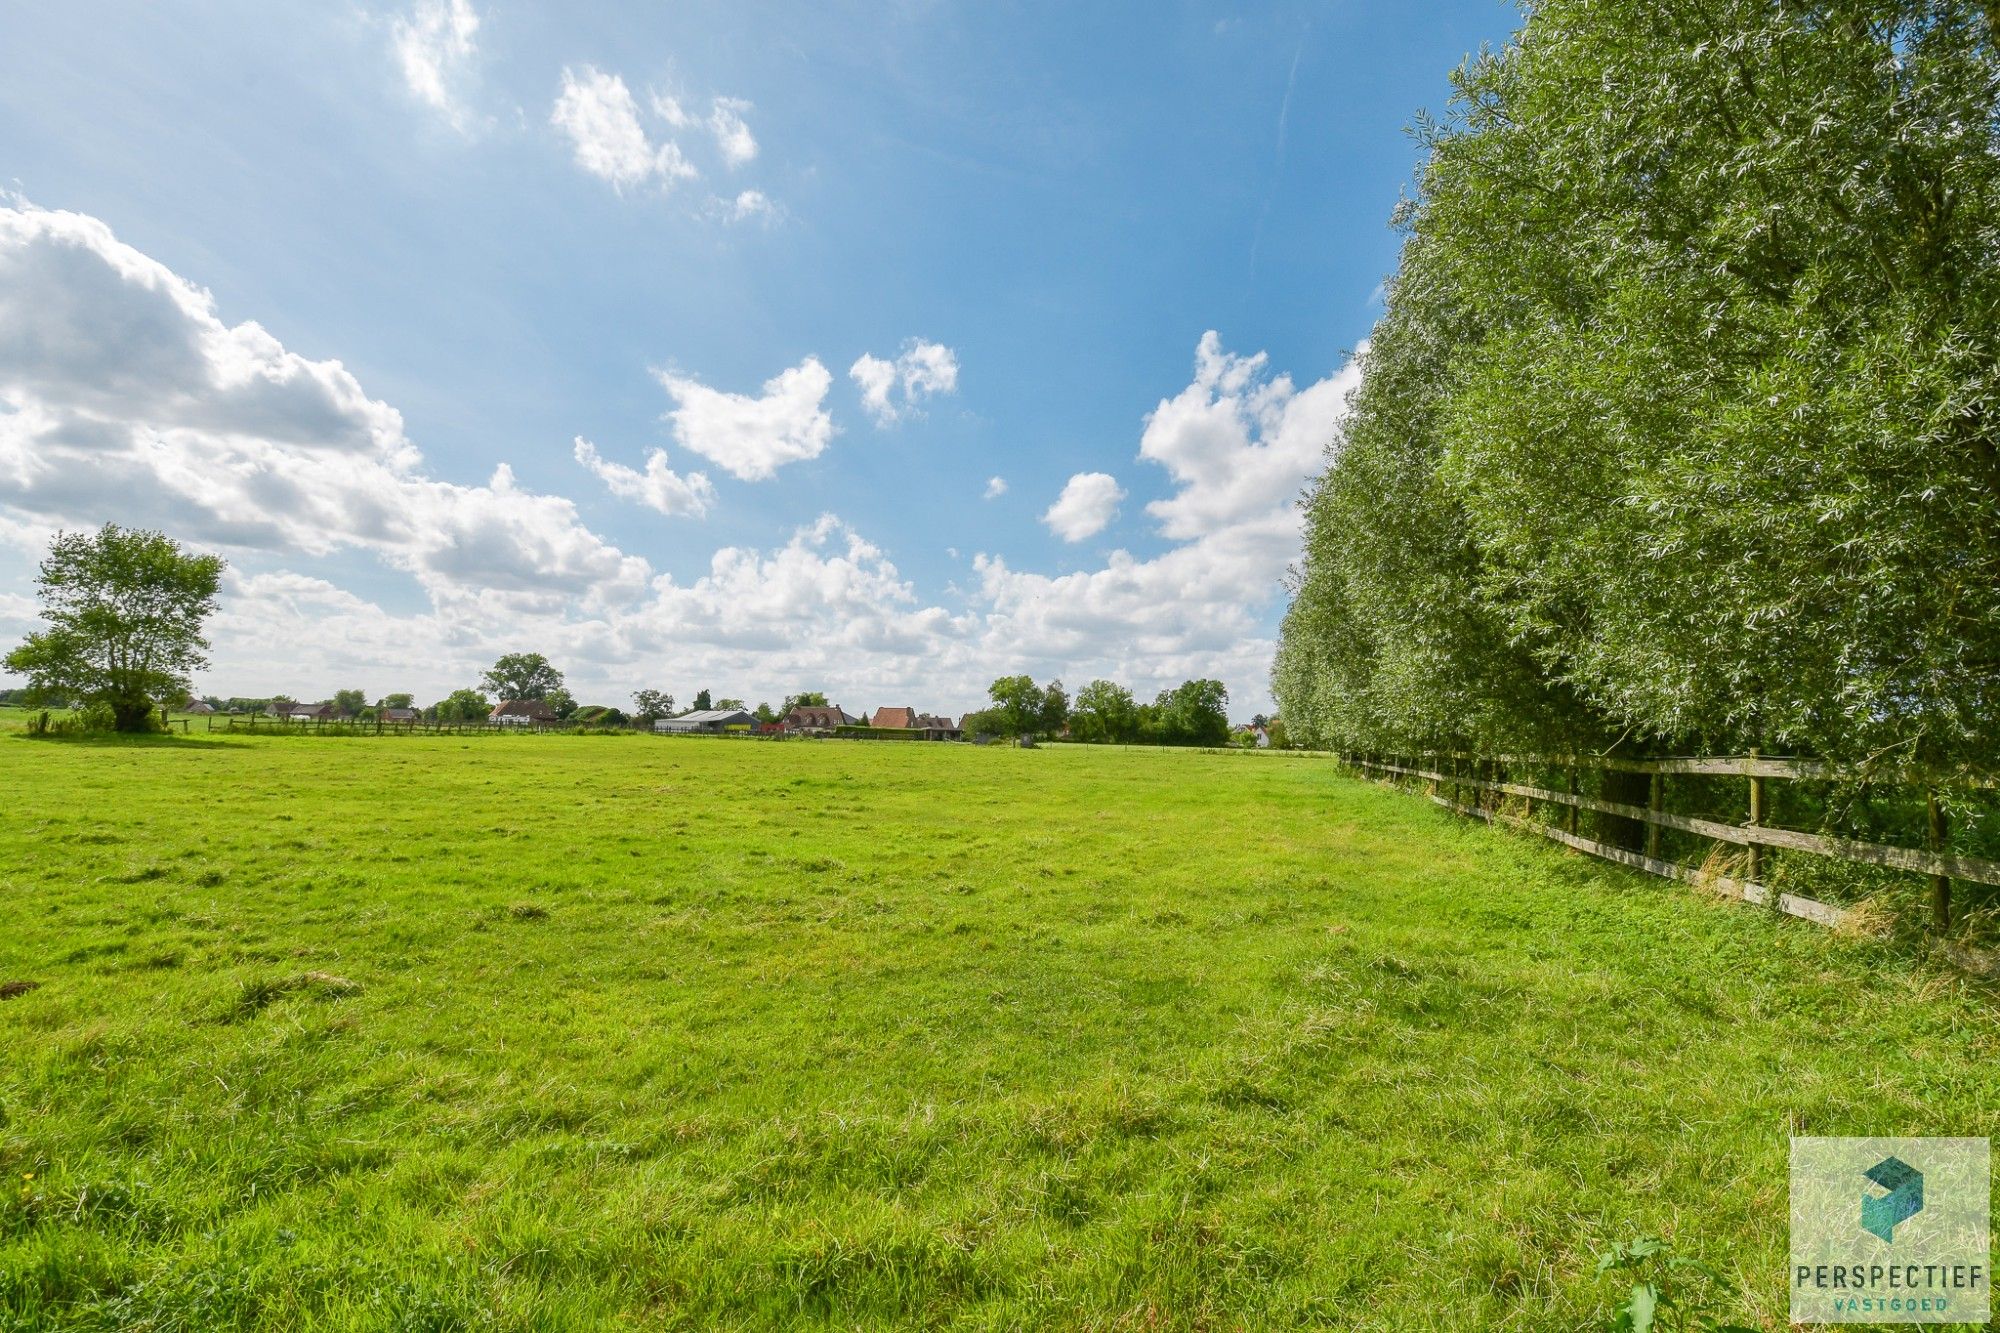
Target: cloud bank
<point>125,395</point>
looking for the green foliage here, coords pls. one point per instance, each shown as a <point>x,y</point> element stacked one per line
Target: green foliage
<point>1054,712</point>
<point>806,699</point>
<point>124,609</point>
<point>982,722</point>
<point>1105,712</point>
<point>1668,1292</point>
<point>1017,705</point>
<point>560,701</point>
<point>464,706</point>
<point>1680,422</point>
<point>701,703</point>
<point>1195,712</point>
<point>522,676</point>
<point>1192,713</point>
<point>396,701</point>
<point>762,712</point>
<point>350,702</point>
<point>651,705</point>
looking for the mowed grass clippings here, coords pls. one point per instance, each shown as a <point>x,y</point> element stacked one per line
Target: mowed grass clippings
<point>548,1033</point>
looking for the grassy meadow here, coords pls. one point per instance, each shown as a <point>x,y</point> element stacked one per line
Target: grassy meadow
<point>548,1033</point>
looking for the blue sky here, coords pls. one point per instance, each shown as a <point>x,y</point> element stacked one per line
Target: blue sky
<point>705,230</point>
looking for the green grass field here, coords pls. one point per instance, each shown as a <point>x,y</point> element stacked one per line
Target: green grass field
<point>549,1032</point>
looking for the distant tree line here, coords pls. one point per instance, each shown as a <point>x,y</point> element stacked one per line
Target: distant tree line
<point>1681,427</point>
<point>1105,712</point>
<point>124,610</point>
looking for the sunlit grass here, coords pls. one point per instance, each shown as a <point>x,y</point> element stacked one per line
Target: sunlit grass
<point>539,1032</point>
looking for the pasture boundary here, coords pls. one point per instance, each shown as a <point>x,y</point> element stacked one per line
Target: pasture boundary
<point>1442,770</point>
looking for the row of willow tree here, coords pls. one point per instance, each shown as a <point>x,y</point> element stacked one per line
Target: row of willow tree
<point>1679,427</point>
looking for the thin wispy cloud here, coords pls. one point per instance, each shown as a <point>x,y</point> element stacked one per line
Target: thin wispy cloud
<point>659,487</point>
<point>434,45</point>
<point>1278,155</point>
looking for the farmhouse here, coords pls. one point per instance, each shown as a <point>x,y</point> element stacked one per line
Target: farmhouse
<point>522,713</point>
<point>307,712</point>
<point>197,707</point>
<point>397,714</point>
<point>706,721</point>
<point>909,719</point>
<point>810,721</point>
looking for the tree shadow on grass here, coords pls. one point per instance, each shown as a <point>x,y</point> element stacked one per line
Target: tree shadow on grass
<point>121,740</point>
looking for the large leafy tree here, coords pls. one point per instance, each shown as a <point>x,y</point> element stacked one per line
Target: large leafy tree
<point>1195,712</point>
<point>1017,705</point>
<point>124,610</point>
<point>1104,711</point>
<point>651,705</point>
<point>1054,713</point>
<point>463,706</point>
<point>1680,425</point>
<point>522,676</point>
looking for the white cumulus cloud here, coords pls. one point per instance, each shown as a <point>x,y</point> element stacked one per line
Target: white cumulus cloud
<point>995,487</point>
<point>658,487</point>
<point>133,401</point>
<point>1238,441</point>
<point>891,388</point>
<point>597,111</point>
<point>1086,506</point>
<point>876,378</point>
<point>434,47</point>
<point>751,437</point>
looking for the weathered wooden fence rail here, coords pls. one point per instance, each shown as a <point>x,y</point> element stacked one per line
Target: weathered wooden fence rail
<point>1444,770</point>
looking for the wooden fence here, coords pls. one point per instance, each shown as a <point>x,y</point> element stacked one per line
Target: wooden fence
<point>1451,775</point>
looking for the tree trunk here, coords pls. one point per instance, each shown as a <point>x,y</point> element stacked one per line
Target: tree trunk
<point>132,714</point>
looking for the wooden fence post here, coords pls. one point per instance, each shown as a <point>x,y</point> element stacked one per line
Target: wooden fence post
<point>1756,853</point>
<point>1572,805</point>
<point>1940,884</point>
<point>1655,801</point>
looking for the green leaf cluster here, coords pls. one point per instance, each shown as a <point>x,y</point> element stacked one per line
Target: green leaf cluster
<point>1680,422</point>
<point>124,609</point>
